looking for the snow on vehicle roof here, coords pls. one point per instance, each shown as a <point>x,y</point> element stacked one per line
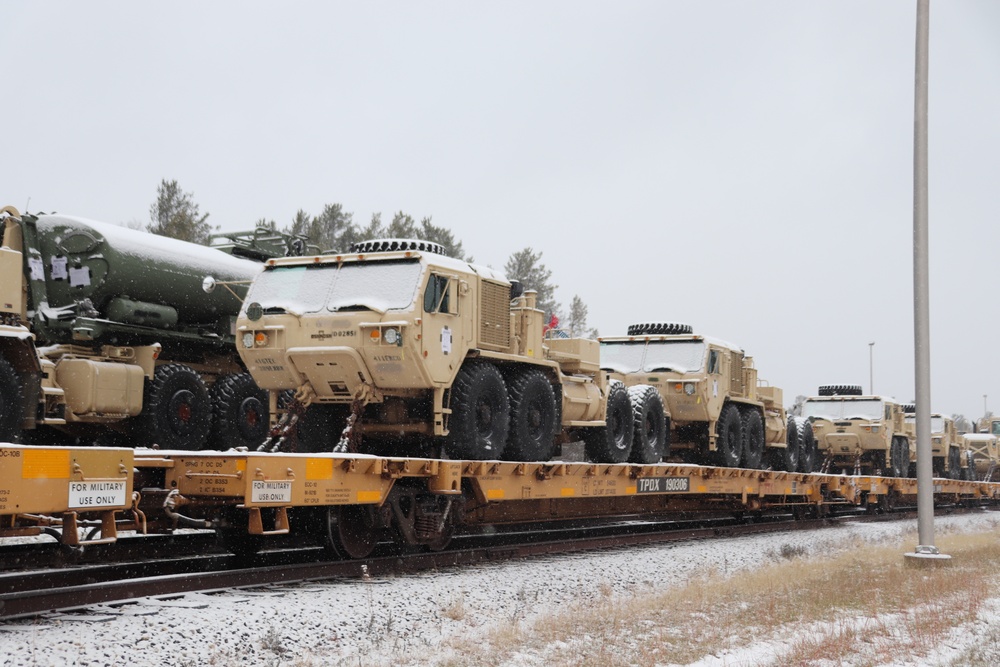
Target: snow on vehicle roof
<point>718,342</point>
<point>197,259</point>
<point>431,259</point>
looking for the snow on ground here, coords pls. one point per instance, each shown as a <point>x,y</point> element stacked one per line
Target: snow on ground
<point>402,620</point>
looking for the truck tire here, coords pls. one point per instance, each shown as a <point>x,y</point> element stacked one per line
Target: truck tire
<point>954,463</point>
<point>612,443</point>
<point>752,427</point>
<point>650,436</point>
<point>240,412</point>
<point>788,459</point>
<point>840,390</point>
<point>808,455</point>
<point>532,417</point>
<point>899,458</point>
<point>177,410</point>
<point>659,329</point>
<point>10,403</point>
<point>729,440</point>
<point>480,413</point>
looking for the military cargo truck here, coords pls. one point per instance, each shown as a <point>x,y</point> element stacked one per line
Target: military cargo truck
<point>717,411</point>
<point>106,333</point>
<point>981,457</point>
<point>946,444</point>
<point>859,433</point>
<point>416,350</point>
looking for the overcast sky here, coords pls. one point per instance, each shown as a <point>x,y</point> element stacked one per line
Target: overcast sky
<point>742,166</point>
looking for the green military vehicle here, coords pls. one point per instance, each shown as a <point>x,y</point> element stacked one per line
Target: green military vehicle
<point>106,333</point>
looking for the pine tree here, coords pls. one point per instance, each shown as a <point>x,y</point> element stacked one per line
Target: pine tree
<point>175,214</point>
<point>526,266</point>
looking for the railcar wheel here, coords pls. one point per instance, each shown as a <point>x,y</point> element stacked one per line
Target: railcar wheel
<point>352,531</point>
<point>240,411</point>
<point>729,438</point>
<point>612,443</point>
<point>650,437</point>
<point>480,413</point>
<point>177,411</point>
<point>808,454</point>
<point>532,417</point>
<point>10,403</point>
<point>752,428</point>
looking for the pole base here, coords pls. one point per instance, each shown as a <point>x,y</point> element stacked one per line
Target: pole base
<point>926,556</point>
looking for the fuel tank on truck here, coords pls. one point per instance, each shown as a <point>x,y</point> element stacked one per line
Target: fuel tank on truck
<point>128,276</point>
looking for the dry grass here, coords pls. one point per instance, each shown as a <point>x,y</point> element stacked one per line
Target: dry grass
<point>860,607</point>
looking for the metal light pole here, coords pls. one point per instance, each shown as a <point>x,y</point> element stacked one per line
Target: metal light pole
<point>925,552</point>
<point>871,368</point>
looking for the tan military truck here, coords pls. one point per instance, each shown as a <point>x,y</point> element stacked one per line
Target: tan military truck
<point>946,444</point>
<point>981,457</point>
<point>716,410</point>
<point>417,350</point>
<point>859,433</point>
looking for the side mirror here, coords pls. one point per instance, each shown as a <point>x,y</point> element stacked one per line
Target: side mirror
<point>516,289</point>
<point>208,284</point>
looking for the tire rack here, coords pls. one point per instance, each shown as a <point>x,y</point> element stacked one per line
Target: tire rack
<point>35,489</point>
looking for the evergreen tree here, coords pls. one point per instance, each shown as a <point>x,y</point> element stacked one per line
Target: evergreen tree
<point>526,266</point>
<point>575,323</point>
<point>175,214</point>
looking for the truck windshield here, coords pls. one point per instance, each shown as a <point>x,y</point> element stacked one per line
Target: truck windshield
<point>684,356</point>
<point>937,422</point>
<point>839,408</point>
<point>378,286</point>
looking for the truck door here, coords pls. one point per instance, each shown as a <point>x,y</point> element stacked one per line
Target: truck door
<point>442,338</point>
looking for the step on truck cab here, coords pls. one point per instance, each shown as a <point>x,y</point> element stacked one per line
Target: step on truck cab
<point>396,348</point>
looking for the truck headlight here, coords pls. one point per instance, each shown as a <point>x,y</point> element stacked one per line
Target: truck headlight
<point>391,336</point>
<point>248,339</point>
<point>689,388</point>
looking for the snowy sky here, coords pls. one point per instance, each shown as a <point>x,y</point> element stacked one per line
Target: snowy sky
<point>742,166</point>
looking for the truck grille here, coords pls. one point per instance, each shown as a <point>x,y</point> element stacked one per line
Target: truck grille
<point>495,324</point>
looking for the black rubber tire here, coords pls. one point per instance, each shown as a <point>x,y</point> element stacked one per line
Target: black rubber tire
<point>840,390</point>
<point>650,436</point>
<point>899,458</point>
<point>11,397</point>
<point>532,417</point>
<point>954,463</point>
<point>729,440</point>
<point>240,414</point>
<point>612,443</point>
<point>789,457</point>
<point>176,409</point>
<point>480,413</point>
<point>909,408</point>
<point>808,454</point>
<point>659,329</point>
<point>752,429</point>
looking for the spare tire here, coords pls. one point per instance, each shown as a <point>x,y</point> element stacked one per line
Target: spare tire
<point>840,390</point>
<point>659,329</point>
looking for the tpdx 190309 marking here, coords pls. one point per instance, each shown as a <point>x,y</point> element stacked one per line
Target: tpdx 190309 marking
<point>662,484</point>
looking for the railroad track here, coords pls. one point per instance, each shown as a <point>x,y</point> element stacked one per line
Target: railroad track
<point>38,591</point>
